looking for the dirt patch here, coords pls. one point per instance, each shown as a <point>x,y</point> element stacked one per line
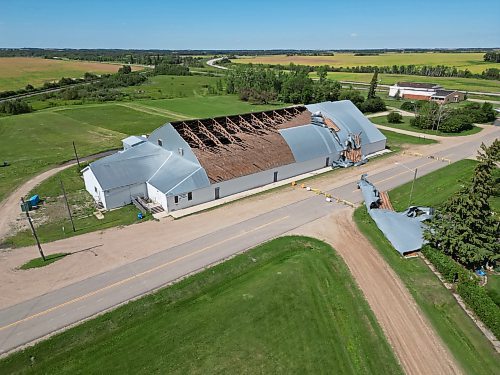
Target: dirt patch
<point>415,343</point>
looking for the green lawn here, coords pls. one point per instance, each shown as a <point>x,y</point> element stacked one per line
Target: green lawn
<point>398,139</point>
<point>208,106</point>
<point>54,213</point>
<point>33,142</point>
<point>60,227</point>
<point>39,262</point>
<point>115,117</point>
<point>468,345</point>
<point>287,306</point>
<point>168,87</point>
<point>405,125</point>
<point>434,188</point>
<point>465,84</point>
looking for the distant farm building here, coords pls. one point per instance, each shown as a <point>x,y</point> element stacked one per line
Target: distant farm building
<point>186,163</point>
<point>425,91</point>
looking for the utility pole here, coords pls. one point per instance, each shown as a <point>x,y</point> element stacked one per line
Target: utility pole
<point>33,229</point>
<point>76,156</point>
<point>67,206</point>
<point>412,185</point>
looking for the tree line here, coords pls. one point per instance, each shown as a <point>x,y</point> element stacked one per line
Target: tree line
<point>492,56</point>
<point>430,115</point>
<point>417,70</point>
<point>262,85</point>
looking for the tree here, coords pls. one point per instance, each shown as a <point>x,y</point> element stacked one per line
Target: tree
<point>373,86</point>
<point>125,69</point>
<point>465,228</point>
<point>394,118</point>
<point>322,72</point>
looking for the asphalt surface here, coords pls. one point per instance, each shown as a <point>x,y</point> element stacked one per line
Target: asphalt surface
<point>36,318</point>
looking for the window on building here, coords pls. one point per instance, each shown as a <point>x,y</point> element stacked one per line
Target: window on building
<point>95,189</point>
<point>160,142</point>
<point>190,196</point>
<point>176,199</point>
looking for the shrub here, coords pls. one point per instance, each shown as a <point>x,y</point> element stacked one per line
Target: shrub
<point>474,295</point>
<point>484,307</point>
<point>394,118</point>
<point>373,105</point>
<point>447,267</point>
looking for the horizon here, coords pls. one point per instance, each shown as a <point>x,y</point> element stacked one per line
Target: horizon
<point>224,25</point>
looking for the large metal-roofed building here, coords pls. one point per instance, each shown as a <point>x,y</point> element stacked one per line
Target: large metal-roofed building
<point>185,163</point>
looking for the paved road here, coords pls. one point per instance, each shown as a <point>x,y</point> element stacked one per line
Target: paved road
<point>213,62</point>
<point>25,322</point>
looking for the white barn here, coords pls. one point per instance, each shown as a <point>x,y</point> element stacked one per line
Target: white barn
<point>185,163</point>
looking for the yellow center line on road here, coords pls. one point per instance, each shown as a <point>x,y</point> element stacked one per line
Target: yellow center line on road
<point>140,274</point>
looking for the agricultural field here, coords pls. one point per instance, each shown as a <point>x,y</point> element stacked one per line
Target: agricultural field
<point>405,125</point>
<point>472,61</point>
<point>464,84</point>
<point>17,72</point>
<point>467,344</point>
<point>289,305</point>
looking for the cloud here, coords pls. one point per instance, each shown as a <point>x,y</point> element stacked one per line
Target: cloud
<point>354,35</point>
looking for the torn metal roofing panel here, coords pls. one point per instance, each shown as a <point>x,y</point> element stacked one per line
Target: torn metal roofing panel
<point>404,230</point>
<point>349,120</point>
<point>310,141</point>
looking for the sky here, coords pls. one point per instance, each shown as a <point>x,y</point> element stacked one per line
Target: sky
<point>258,24</point>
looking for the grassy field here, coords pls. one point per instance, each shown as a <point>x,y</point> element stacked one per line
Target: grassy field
<point>17,72</point>
<point>287,306</point>
<point>33,142</point>
<point>472,61</point>
<point>169,87</point>
<point>465,84</point>
<point>405,125</point>
<point>208,106</point>
<point>397,139</point>
<point>470,348</point>
<point>114,117</point>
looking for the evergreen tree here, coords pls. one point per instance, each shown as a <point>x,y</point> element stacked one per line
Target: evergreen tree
<point>466,228</point>
<point>373,86</point>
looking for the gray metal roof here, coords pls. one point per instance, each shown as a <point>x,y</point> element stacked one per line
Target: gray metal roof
<point>132,166</point>
<point>349,119</point>
<point>179,175</point>
<point>146,162</point>
<point>405,233</point>
<point>310,141</point>
<point>172,140</point>
<point>442,93</point>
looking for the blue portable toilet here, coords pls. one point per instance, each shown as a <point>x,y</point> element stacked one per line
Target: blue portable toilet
<point>34,200</point>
